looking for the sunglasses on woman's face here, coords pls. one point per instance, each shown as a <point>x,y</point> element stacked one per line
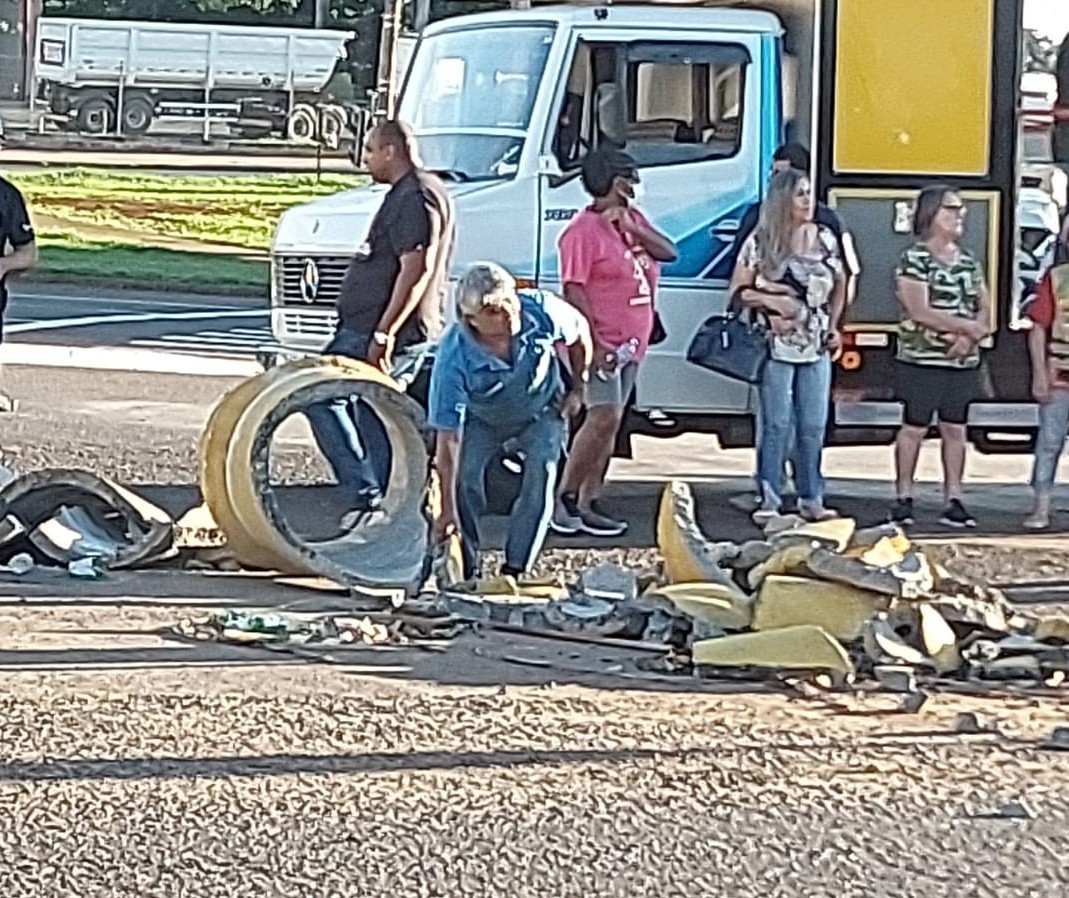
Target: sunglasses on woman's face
<point>956,208</point>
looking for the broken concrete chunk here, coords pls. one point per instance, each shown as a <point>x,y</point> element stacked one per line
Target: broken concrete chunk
<point>895,677</point>
<point>884,554</point>
<point>883,645</point>
<point>969,723</point>
<point>1059,739</point>
<point>788,560</point>
<point>688,556</point>
<point>839,608</point>
<point>575,614</point>
<point>610,582</point>
<point>912,578</point>
<point>835,533</point>
<point>727,607</point>
<point>973,612</point>
<point>791,648</point>
<point>868,537</point>
<point>1053,629</point>
<point>938,640</point>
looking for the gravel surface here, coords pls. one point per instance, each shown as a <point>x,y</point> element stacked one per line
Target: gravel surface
<point>291,781</point>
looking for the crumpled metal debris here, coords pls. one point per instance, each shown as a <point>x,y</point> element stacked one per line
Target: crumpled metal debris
<point>69,515</point>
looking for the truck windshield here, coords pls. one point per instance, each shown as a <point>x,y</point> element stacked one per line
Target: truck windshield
<point>469,98</point>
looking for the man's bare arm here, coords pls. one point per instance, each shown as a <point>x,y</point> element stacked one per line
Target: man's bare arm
<point>22,259</point>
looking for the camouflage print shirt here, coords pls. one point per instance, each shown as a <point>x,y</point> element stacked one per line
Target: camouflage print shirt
<point>953,290</point>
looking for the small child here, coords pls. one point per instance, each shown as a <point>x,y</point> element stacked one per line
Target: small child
<point>1048,350</point>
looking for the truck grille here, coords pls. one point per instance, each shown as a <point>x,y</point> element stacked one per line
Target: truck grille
<point>311,329</point>
<point>308,280</point>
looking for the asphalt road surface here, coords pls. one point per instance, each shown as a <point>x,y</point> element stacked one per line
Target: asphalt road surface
<point>218,326</point>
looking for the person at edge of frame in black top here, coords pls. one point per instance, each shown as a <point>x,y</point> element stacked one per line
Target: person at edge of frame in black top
<point>391,297</point>
<point>18,253</point>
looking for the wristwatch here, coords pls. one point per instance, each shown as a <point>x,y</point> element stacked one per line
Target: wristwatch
<point>381,338</point>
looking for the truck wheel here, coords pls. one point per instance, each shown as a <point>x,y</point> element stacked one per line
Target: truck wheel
<point>331,125</point>
<point>96,115</point>
<point>137,114</point>
<point>303,124</point>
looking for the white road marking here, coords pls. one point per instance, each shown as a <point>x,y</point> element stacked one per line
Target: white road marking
<point>117,358</point>
<point>96,320</point>
<point>119,300</point>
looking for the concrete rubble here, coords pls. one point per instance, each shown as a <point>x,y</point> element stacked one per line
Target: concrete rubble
<point>812,599</point>
<point>824,599</point>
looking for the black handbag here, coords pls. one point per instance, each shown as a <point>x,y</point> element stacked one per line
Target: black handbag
<point>734,344</point>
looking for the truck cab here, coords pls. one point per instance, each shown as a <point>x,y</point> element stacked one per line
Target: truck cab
<point>506,105</point>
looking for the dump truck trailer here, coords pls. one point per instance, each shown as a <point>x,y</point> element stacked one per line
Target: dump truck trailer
<point>100,76</point>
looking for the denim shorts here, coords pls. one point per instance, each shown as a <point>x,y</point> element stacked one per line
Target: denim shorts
<point>614,389</point>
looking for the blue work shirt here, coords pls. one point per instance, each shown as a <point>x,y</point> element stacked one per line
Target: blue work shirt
<point>469,381</point>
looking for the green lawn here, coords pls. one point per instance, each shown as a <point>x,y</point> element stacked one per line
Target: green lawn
<point>65,257</point>
<point>114,226</point>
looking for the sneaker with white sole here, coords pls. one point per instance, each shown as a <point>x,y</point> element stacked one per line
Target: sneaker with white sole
<point>566,519</point>
<point>597,523</point>
<point>815,511</point>
<point>955,515</point>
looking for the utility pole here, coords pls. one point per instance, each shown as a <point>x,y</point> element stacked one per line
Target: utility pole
<point>322,14</point>
<point>391,30</point>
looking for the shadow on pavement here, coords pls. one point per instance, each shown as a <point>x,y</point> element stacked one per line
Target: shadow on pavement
<point>289,764</point>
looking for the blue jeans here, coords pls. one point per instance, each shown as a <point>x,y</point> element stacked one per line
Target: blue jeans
<point>1053,427</point>
<point>794,398</point>
<point>349,434</point>
<point>542,442</point>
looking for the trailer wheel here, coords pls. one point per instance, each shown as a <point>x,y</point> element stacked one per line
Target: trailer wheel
<point>96,115</point>
<point>331,125</point>
<point>303,124</point>
<point>137,114</point>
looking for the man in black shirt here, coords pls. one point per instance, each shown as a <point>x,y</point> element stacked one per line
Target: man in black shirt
<point>391,297</point>
<point>395,285</point>
<point>18,252</point>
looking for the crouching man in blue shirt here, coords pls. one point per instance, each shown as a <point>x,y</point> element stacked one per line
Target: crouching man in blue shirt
<point>498,378</point>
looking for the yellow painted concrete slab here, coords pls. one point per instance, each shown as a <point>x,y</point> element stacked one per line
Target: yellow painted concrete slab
<point>839,608</point>
<point>711,603</point>
<point>791,648</point>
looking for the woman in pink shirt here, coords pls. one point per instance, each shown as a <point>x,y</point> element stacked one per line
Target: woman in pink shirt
<point>610,259</point>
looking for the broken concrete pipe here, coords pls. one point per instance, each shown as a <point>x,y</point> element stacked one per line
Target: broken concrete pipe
<point>386,549</point>
<point>69,515</point>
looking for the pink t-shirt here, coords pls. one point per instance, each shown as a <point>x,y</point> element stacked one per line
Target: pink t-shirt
<point>619,279</point>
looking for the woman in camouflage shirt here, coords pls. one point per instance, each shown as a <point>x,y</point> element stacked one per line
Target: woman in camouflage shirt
<point>944,314</point>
